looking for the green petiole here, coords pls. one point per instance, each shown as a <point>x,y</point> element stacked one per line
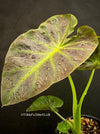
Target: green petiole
<point>77,106</point>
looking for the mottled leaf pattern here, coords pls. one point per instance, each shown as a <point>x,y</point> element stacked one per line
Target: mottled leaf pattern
<point>41,57</point>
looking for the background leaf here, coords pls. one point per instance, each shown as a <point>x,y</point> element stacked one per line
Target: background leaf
<point>46,103</point>
<point>94,61</point>
<point>41,57</point>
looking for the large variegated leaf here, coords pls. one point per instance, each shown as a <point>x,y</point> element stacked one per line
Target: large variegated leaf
<point>94,61</point>
<point>43,56</point>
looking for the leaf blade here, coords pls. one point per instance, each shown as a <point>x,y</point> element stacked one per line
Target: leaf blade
<point>45,103</point>
<point>34,57</point>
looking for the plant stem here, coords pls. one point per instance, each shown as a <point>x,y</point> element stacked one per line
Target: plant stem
<point>59,115</point>
<point>79,106</point>
<point>86,88</point>
<point>74,97</point>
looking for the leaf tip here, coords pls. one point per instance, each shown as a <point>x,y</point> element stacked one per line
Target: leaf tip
<point>4,102</point>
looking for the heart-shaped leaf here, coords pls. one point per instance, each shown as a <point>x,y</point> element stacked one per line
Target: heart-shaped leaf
<point>94,61</point>
<point>46,103</point>
<point>43,56</point>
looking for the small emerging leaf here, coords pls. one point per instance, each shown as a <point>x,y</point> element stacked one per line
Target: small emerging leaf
<point>63,127</point>
<point>94,61</point>
<point>46,103</point>
<point>41,57</point>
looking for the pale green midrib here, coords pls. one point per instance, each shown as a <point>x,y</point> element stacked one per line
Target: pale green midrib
<point>30,72</point>
<point>58,32</point>
<point>23,68</point>
<point>32,52</point>
<point>67,57</point>
<point>65,32</point>
<point>49,36</point>
<point>37,41</point>
<point>80,36</point>
<point>73,44</point>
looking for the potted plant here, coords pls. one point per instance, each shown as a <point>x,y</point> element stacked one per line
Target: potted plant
<point>41,57</point>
